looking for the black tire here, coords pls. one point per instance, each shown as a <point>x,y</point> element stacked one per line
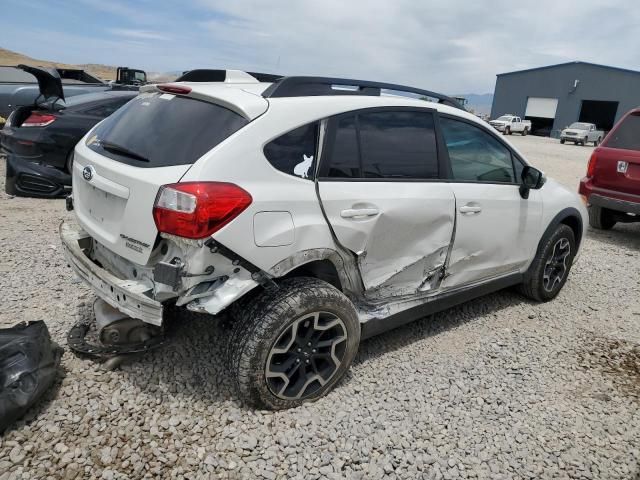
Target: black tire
<point>272,323</point>
<point>597,141</point>
<point>508,130</point>
<point>584,141</point>
<point>525,132</point>
<point>601,218</point>
<point>68,165</point>
<point>540,283</point>
<point>562,141</point>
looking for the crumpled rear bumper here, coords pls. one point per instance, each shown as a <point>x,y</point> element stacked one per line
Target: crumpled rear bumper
<point>128,296</point>
<point>29,179</point>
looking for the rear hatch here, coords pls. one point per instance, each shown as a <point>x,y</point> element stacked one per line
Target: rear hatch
<point>119,167</point>
<point>617,164</point>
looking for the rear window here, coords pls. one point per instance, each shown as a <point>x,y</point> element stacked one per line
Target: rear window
<point>626,135</point>
<point>158,130</point>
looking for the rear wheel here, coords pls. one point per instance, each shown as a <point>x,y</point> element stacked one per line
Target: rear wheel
<point>601,218</point>
<point>550,268</point>
<point>293,344</point>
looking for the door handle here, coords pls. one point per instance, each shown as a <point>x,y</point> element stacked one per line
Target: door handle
<point>470,209</point>
<point>359,212</point>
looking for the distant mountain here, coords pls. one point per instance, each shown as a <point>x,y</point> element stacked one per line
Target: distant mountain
<point>480,104</point>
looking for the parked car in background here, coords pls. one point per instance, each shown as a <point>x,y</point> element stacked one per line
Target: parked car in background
<point>279,202</point>
<point>23,85</point>
<point>581,133</point>
<point>611,186</point>
<point>509,124</point>
<point>39,141</point>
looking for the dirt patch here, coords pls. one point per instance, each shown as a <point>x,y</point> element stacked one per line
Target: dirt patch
<point>618,359</point>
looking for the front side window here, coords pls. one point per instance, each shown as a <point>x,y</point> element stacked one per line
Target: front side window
<point>384,144</point>
<point>475,155</point>
<point>294,152</point>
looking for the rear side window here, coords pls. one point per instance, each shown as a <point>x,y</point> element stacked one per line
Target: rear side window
<point>475,155</point>
<point>384,144</point>
<point>294,152</point>
<point>158,130</point>
<point>398,145</point>
<point>626,135</point>
<point>344,160</point>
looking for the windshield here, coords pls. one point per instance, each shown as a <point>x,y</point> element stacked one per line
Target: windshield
<point>580,126</point>
<point>158,130</point>
<point>504,118</point>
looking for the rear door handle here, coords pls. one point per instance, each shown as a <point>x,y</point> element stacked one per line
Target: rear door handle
<point>359,212</point>
<point>470,209</point>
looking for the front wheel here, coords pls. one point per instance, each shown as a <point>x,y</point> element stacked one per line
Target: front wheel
<point>293,344</point>
<point>550,268</point>
<point>525,132</point>
<point>597,141</point>
<point>562,141</point>
<point>507,131</point>
<point>584,141</point>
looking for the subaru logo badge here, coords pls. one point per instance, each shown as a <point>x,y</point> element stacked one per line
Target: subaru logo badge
<point>87,172</point>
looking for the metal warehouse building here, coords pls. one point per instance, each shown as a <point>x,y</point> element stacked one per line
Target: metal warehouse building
<point>555,96</point>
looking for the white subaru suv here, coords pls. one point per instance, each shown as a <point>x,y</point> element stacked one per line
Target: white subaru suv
<point>317,211</point>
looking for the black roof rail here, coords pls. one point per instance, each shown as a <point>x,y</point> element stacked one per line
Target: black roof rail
<point>213,75</point>
<point>324,86</point>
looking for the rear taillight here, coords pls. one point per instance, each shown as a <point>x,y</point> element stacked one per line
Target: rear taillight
<point>37,119</point>
<point>178,89</point>
<point>198,209</point>
<point>591,167</point>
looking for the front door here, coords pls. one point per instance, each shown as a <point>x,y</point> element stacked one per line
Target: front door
<point>379,188</point>
<point>496,230</point>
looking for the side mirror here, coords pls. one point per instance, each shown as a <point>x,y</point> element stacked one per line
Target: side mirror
<point>532,179</point>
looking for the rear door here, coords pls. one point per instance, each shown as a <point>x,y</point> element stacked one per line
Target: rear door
<point>497,231</point>
<point>380,190</point>
<point>151,141</point>
<point>618,161</point>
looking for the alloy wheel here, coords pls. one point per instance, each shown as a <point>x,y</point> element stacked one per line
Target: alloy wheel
<point>306,355</point>
<point>556,267</point>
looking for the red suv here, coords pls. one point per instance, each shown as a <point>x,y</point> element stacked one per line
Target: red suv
<point>612,184</point>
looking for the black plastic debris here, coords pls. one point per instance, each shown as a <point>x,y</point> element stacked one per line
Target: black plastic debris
<point>29,361</point>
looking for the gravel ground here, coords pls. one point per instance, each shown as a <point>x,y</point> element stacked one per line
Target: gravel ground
<point>496,388</point>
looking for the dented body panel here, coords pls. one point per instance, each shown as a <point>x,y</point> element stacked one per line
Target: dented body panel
<point>399,236</point>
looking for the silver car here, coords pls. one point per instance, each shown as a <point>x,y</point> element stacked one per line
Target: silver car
<point>581,133</point>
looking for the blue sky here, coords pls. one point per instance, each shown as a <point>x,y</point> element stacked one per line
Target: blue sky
<point>454,46</point>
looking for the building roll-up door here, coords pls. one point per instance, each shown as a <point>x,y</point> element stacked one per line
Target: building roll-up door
<point>541,107</point>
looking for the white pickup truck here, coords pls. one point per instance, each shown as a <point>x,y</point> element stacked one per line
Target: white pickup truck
<point>508,124</point>
<point>581,133</point>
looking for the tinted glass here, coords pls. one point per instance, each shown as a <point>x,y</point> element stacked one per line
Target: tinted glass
<point>344,161</point>
<point>157,130</point>
<point>398,144</point>
<point>476,155</point>
<point>105,109</point>
<point>627,134</point>
<point>294,152</point>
